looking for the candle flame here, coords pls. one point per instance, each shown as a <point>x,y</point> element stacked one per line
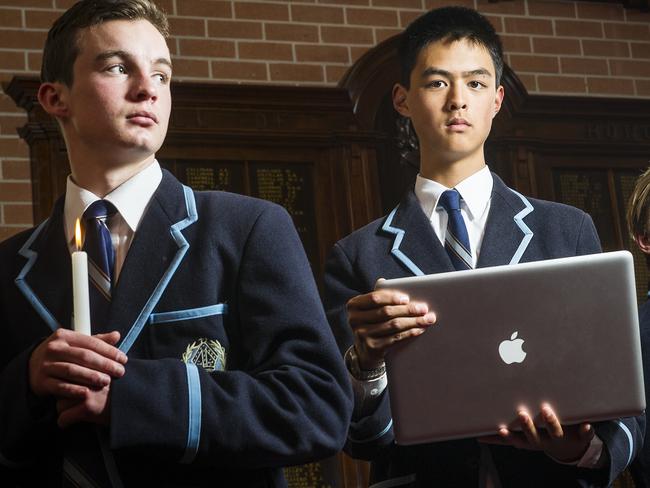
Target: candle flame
<point>77,234</point>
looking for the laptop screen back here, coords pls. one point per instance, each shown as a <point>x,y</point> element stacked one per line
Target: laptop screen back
<point>561,331</point>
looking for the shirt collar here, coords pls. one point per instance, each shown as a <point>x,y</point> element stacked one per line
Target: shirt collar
<point>130,198</point>
<point>475,191</point>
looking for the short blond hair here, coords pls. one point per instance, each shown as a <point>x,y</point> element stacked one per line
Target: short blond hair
<point>638,208</point>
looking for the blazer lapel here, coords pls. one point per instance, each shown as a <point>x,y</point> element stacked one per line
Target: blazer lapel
<point>157,249</point>
<point>46,278</point>
<point>507,235</point>
<point>414,244</point>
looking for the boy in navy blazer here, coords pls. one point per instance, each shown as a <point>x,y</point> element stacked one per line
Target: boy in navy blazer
<point>450,90</point>
<point>213,363</point>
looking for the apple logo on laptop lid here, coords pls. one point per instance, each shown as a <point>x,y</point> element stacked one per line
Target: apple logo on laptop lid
<point>511,350</point>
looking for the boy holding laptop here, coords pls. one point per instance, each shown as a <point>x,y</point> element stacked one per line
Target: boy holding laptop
<point>459,216</point>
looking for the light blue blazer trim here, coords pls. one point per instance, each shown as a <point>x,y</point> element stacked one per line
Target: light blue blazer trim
<point>629,440</point>
<point>399,235</point>
<point>374,437</point>
<point>194,425</point>
<point>183,246</point>
<point>22,285</point>
<point>528,234</point>
<point>189,314</point>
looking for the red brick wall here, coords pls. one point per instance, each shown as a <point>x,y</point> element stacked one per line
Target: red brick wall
<point>556,47</point>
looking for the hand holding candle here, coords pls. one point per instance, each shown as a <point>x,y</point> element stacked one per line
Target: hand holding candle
<point>81,299</point>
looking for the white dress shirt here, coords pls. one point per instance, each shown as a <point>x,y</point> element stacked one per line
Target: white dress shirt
<point>131,199</point>
<point>476,195</point>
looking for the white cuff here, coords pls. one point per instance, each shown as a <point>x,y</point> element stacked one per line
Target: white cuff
<point>592,456</point>
<point>591,459</point>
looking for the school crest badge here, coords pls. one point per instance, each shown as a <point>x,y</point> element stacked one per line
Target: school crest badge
<point>206,353</point>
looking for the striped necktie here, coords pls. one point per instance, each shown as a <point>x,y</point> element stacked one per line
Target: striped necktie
<point>101,260</point>
<point>457,239</point>
<point>460,253</point>
<point>84,457</point>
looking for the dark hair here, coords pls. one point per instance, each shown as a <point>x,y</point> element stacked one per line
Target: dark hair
<point>448,24</point>
<point>638,208</point>
<point>62,48</point>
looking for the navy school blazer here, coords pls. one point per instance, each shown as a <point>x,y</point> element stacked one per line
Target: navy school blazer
<point>233,371</point>
<point>518,229</point>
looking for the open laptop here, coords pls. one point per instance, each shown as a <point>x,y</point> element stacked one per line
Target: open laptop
<point>563,331</point>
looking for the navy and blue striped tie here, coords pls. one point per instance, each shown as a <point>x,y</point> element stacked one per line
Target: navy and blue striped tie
<point>101,260</point>
<point>457,239</point>
<point>84,463</point>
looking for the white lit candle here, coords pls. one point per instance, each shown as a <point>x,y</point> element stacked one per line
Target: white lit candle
<point>81,300</point>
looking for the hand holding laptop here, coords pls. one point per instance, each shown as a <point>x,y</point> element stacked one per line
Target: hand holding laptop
<point>565,443</point>
<point>385,317</point>
<point>382,318</point>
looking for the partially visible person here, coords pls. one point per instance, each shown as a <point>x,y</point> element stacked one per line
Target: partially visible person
<point>638,224</point>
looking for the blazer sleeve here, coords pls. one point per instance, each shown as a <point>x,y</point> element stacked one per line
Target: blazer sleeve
<point>588,241</point>
<point>369,432</point>
<point>289,404</point>
<point>622,441</point>
<point>26,421</point>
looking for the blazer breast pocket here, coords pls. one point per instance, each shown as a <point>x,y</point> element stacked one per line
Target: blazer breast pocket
<point>196,335</point>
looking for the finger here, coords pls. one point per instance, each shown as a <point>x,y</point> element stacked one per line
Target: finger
<point>506,437</point>
<point>74,373</point>
<point>98,346</point>
<point>62,389</point>
<point>394,326</point>
<point>500,438</point>
<point>407,334</point>
<point>377,298</point>
<point>384,341</point>
<point>78,339</point>
<point>111,338</point>
<point>386,313</point>
<point>376,346</point>
<point>90,359</point>
<point>528,429</point>
<point>371,349</point>
<point>551,422</point>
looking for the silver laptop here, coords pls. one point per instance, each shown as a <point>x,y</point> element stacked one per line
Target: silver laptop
<point>563,331</point>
